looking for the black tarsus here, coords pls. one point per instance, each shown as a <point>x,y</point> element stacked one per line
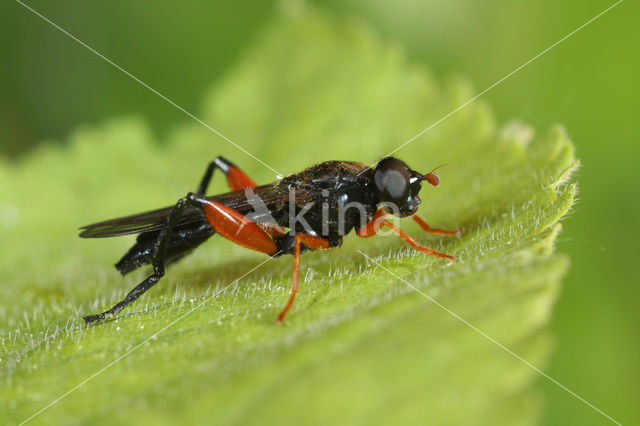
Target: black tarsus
<point>161,240</point>
<point>219,163</point>
<point>158,257</point>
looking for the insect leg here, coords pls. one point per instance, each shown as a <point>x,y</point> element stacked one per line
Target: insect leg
<point>158,257</point>
<point>374,225</point>
<point>378,221</point>
<point>314,243</point>
<point>436,231</point>
<point>237,227</point>
<point>236,178</point>
<point>416,245</point>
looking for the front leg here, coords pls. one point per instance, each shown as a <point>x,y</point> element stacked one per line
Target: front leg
<point>379,220</point>
<point>425,226</point>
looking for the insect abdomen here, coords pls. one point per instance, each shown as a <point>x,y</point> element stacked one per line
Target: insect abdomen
<point>180,244</point>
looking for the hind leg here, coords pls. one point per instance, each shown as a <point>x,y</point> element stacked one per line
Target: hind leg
<point>236,178</point>
<point>158,258</point>
<point>226,221</point>
<point>142,250</point>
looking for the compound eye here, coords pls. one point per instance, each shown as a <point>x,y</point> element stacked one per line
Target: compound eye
<point>392,181</point>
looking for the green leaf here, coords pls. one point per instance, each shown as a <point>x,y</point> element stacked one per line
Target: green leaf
<point>359,346</point>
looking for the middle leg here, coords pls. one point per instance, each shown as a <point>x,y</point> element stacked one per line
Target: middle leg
<point>313,243</point>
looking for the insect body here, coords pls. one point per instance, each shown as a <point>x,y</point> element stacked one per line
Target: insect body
<point>310,210</point>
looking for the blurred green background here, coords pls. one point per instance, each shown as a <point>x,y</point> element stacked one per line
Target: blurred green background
<point>589,83</point>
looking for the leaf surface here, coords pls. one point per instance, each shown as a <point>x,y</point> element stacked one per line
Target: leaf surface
<point>359,346</point>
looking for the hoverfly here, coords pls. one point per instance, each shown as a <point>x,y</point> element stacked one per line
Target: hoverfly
<point>310,210</point>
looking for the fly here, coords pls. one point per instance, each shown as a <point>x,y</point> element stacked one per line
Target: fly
<point>310,210</point>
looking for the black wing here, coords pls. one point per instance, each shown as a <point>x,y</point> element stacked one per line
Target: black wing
<point>273,196</point>
<point>137,223</point>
